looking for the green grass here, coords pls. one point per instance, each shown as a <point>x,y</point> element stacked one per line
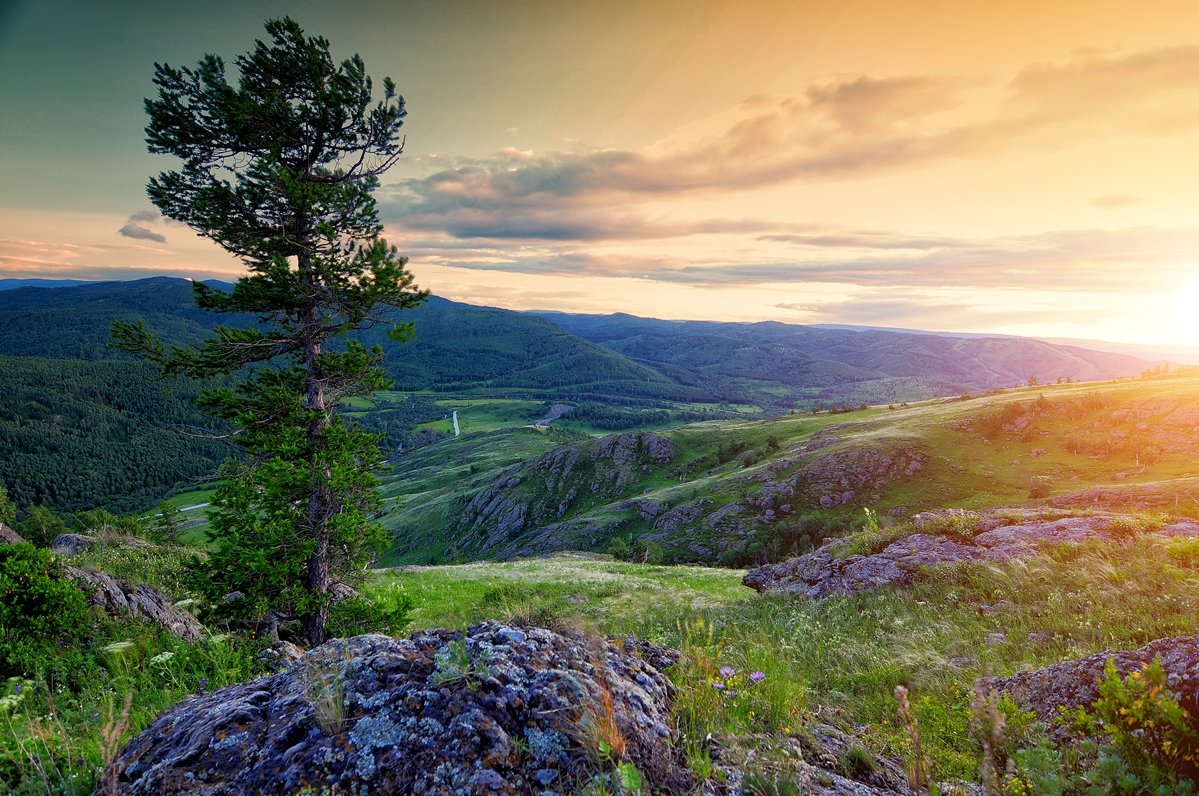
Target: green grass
<point>840,657</point>
<point>846,654</point>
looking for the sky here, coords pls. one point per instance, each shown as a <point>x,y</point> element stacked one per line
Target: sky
<point>1019,167</point>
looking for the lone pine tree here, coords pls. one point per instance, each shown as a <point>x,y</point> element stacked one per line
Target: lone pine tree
<point>279,169</point>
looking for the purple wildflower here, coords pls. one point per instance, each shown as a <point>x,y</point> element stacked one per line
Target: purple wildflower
<point>729,694</point>
<point>727,672</point>
<point>718,686</point>
<point>757,677</point>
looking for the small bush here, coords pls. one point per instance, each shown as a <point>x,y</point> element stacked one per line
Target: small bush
<point>1150,742</point>
<point>40,526</point>
<point>42,613</point>
<point>384,611</point>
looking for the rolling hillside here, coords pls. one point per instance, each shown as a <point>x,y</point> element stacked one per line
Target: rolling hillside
<point>743,492</point>
<point>782,364</point>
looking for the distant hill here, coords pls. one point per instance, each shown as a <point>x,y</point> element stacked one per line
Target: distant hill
<point>12,284</point>
<point>781,363</point>
<point>458,347</point>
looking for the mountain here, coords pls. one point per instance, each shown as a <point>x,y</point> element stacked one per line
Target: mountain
<point>781,364</point>
<point>458,347</point>
<point>12,284</point>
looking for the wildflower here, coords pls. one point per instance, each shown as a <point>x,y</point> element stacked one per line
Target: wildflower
<point>727,671</point>
<point>757,677</point>
<point>718,686</point>
<point>203,682</point>
<point>162,657</point>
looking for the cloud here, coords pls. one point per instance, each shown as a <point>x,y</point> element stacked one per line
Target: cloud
<point>1114,200</point>
<point>854,128</point>
<point>1132,260</point>
<point>136,227</point>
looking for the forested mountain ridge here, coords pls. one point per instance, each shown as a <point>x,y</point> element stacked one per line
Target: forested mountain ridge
<point>835,364</point>
<point>76,435</point>
<point>458,347</point>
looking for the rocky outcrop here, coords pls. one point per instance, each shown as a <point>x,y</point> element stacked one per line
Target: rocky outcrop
<point>992,537</point>
<point>812,762</point>
<point>547,489</point>
<point>69,545</point>
<point>120,598</point>
<point>9,536</point>
<point>856,473</point>
<point>501,710</point>
<point>1075,683</point>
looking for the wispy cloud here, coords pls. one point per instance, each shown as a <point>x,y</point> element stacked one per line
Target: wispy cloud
<point>1135,259</point>
<point>1113,200</point>
<point>137,227</point>
<point>849,129</point>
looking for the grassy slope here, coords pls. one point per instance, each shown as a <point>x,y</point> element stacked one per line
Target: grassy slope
<point>844,654</point>
<point>983,451</point>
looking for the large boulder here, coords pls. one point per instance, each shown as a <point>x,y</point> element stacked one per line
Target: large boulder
<point>1075,683</point>
<point>120,598</point>
<point>498,709</point>
<point>9,536</point>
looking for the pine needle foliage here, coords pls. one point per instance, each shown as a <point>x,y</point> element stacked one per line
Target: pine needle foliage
<point>279,168</point>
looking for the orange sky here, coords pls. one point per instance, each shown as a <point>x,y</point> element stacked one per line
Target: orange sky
<point>1025,168</point>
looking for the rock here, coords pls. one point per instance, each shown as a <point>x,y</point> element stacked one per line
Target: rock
<point>437,713</point>
<point>995,639</point>
<point>280,655</point>
<point>1072,684</point>
<point>8,535</point>
<point>340,592</point>
<point>674,520</point>
<point>812,762</point>
<point>69,545</point>
<point>119,597</point>
<point>529,497</point>
<point>821,572</point>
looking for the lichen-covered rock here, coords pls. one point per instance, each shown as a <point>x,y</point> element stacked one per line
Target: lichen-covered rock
<point>502,710</point>
<point>992,537</point>
<point>1075,683</point>
<point>69,545</point>
<point>120,598</point>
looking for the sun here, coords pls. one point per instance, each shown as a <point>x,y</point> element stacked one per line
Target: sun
<point>1184,303</point>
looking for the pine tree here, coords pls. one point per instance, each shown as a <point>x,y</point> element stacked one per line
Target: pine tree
<point>279,169</point>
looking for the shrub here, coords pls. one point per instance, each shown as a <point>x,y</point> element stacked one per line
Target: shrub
<point>41,526</point>
<point>43,615</point>
<point>1150,743</point>
<point>383,611</point>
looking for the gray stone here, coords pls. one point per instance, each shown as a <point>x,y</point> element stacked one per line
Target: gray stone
<point>435,713</point>
<point>121,598</point>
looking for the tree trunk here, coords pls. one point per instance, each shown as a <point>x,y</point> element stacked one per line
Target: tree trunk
<point>321,501</point>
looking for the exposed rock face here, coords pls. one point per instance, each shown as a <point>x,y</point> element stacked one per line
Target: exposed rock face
<point>120,598</point>
<point>1075,683</point>
<point>841,476</point>
<point>69,545</point>
<point>821,573</point>
<point>545,490</point>
<point>505,710</point>
<point>9,536</point>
